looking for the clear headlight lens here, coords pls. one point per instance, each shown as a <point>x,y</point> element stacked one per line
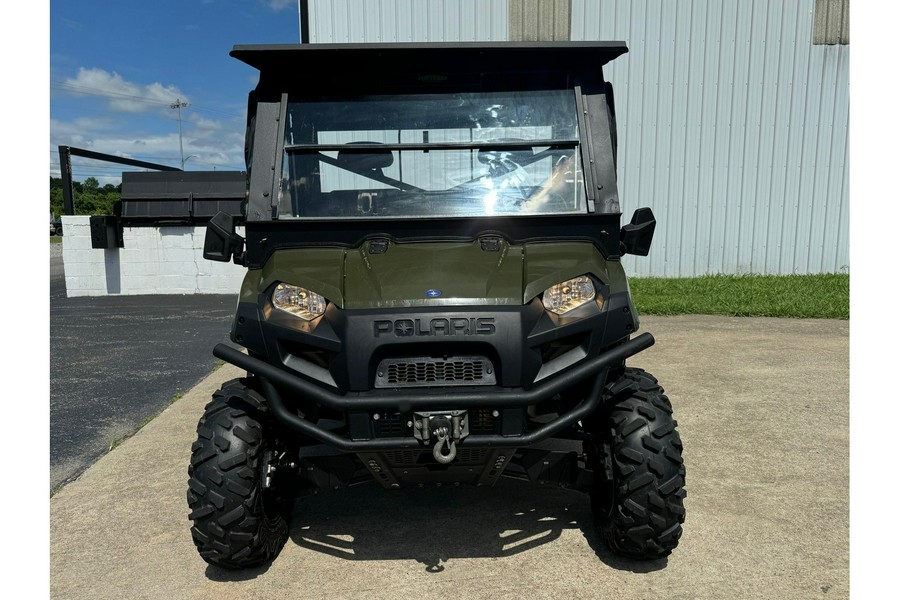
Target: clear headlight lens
<point>563,297</point>
<point>298,301</point>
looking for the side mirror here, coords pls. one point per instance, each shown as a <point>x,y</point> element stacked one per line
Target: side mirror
<point>221,242</point>
<point>637,236</point>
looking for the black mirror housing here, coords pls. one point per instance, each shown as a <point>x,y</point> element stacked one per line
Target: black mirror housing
<point>221,242</point>
<point>637,236</point>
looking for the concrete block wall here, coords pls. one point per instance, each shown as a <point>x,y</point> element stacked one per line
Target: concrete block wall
<point>155,260</point>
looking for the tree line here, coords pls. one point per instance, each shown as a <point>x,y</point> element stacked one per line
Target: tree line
<point>89,197</point>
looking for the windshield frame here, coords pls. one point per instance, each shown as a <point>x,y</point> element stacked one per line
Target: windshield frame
<point>266,142</point>
<point>468,154</point>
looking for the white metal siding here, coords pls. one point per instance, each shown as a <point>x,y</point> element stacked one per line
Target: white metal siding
<point>346,21</point>
<point>733,128</point>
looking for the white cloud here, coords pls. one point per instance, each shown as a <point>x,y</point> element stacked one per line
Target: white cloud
<point>201,123</point>
<point>93,123</point>
<point>278,5</point>
<point>64,131</point>
<point>122,95</point>
<point>138,123</point>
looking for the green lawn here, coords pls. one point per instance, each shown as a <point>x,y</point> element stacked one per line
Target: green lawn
<point>798,296</point>
<point>55,239</point>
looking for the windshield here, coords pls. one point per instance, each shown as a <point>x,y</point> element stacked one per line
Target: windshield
<point>430,155</point>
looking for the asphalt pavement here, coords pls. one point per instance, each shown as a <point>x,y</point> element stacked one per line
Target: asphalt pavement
<point>116,361</point>
<point>763,411</point>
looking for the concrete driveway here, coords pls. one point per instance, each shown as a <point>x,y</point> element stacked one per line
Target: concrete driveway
<point>763,410</point>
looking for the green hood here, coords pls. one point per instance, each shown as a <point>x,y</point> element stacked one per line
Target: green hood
<point>463,273</point>
<point>406,274</point>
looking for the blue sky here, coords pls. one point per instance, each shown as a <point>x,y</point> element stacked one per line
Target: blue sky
<point>116,66</point>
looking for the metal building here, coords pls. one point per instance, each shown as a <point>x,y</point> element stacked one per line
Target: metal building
<point>733,114</point>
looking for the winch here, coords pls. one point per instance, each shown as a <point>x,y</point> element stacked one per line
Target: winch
<point>444,429</point>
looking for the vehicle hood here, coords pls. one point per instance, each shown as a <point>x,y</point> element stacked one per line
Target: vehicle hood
<point>432,274</point>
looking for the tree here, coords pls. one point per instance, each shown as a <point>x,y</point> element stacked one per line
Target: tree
<point>56,201</point>
<point>89,197</point>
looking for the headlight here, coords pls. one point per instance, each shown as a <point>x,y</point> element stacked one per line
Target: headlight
<point>563,297</point>
<point>298,301</point>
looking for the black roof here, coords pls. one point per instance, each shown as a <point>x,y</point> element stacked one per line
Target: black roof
<point>439,56</point>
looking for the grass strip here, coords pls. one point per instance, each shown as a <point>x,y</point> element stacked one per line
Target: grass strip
<point>795,296</point>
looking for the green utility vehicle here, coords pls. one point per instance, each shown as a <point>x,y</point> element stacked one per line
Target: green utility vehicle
<point>434,293</point>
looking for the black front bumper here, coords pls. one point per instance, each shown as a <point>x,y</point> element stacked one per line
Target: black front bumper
<point>272,378</point>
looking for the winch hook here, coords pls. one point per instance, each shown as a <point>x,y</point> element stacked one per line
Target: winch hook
<point>443,437</point>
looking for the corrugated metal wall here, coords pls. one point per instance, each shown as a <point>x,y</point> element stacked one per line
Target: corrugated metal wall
<point>344,21</point>
<point>832,24</point>
<point>733,128</point>
<point>540,20</point>
<point>732,124</point>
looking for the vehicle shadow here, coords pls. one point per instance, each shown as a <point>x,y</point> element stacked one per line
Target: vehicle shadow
<point>214,573</point>
<point>434,525</point>
<point>620,563</point>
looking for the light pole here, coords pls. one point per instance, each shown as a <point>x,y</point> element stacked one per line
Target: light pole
<point>179,105</point>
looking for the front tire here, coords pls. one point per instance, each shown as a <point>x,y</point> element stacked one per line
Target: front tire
<point>238,521</point>
<point>638,495</point>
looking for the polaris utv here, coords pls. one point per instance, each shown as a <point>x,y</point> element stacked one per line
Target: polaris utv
<point>434,293</point>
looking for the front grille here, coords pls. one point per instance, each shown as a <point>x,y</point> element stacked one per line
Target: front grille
<point>434,372</point>
<point>482,421</point>
<point>402,458</point>
<point>389,426</point>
